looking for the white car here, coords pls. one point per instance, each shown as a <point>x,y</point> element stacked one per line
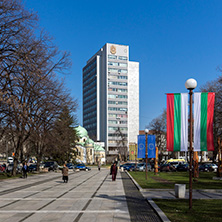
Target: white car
<point>214,166</point>
<point>10,160</point>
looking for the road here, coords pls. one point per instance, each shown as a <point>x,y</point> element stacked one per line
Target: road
<point>88,196</point>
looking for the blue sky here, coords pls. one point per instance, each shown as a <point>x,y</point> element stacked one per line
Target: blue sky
<point>173,40</point>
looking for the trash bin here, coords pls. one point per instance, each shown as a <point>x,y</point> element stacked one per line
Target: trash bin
<point>180,190</point>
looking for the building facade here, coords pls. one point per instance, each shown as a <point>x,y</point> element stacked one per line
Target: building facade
<point>87,151</point>
<point>111,98</point>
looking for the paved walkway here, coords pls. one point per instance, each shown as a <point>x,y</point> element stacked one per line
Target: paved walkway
<point>88,196</point>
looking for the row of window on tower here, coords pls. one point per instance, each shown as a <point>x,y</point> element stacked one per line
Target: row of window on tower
<point>117,57</point>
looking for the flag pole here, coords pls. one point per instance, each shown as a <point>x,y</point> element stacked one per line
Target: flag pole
<point>146,132</point>
<point>191,151</point>
<point>190,85</point>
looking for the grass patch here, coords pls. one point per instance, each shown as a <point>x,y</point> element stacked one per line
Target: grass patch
<point>4,176</point>
<point>202,210</point>
<point>167,180</point>
<point>9,176</point>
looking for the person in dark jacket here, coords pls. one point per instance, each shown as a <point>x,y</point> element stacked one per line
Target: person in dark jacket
<point>99,165</point>
<point>25,170</point>
<point>113,171</point>
<point>65,173</point>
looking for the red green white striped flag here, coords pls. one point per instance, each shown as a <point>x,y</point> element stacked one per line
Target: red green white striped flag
<point>177,121</point>
<point>203,121</point>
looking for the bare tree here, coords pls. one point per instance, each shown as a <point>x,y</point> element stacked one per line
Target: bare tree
<point>216,86</point>
<point>121,141</point>
<point>28,66</point>
<point>158,128</point>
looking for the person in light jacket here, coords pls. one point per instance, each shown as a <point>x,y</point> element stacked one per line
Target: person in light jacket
<point>65,174</point>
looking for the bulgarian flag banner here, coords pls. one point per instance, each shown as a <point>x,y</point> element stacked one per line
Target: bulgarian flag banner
<point>203,121</point>
<point>177,121</point>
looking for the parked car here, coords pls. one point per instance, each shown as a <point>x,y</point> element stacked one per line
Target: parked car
<point>142,167</point>
<point>128,166</point>
<point>32,167</point>
<point>51,165</point>
<point>182,167</point>
<point>175,163</point>
<point>166,167</point>
<point>82,166</point>
<point>10,160</point>
<point>2,169</point>
<point>206,167</point>
<point>10,168</point>
<point>214,166</point>
<point>70,165</point>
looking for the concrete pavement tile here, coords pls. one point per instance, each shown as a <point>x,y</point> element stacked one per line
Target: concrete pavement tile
<point>107,217</point>
<point>26,205</point>
<point>104,218</point>
<point>48,194</point>
<point>68,217</point>
<point>158,195</point>
<point>60,205</point>
<point>12,217</point>
<point>209,195</point>
<point>18,194</point>
<point>121,218</point>
<point>5,202</point>
<point>75,195</point>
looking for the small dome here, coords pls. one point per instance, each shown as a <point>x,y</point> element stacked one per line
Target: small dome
<point>81,131</point>
<point>90,141</point>
<point>98,147</point>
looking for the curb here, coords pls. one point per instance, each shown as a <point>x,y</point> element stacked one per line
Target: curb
<point>137,185</point>
<point>158,211</point>
<point>161,214</point>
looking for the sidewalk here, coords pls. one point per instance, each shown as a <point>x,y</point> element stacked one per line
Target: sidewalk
<point>170,194</point>
<point>88,197</point>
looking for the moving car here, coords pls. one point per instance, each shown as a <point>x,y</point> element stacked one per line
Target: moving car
<point>82,166</point>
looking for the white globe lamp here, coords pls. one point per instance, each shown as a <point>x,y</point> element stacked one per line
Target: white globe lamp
<point>191,84</point>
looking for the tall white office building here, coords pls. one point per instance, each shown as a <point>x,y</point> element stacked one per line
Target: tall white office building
<point>111,97</point>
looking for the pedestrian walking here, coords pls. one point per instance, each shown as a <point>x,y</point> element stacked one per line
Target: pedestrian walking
<point>99,165</point>
<point>65,173</point>
<point>113,171</point>
<point>25,170</point>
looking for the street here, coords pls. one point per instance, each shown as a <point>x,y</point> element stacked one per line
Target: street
<point>88,196</point>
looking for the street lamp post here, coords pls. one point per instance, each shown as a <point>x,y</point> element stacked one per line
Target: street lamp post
<point>146,132</point>
<point>190,85</point>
